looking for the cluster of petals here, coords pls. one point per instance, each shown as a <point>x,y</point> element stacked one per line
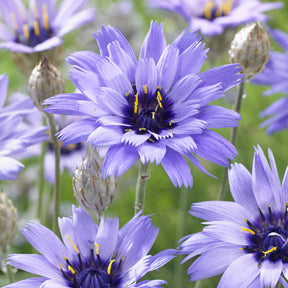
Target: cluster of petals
<point>15,134</point>
<point>91,255</point>
<point>213,17</point>
<point>154,109</point>
<point>41,26</point>
<point>246,239</point>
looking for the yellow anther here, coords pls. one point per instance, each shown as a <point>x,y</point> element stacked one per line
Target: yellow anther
<point>170,123</point>
<point>208,9</point>
<point>75,247</point>
<point>145,89</point>
<point>64,258</point>
<point>71,269</point>
<point>127,94</point>
<point>36,28</point>
<point>110,266</point>
<point>45,17</point>
<point>153,115</point>
<point>97,248</point>
<point>60,267</point>
<point>241,248</point>
<point>14,21</point>
<point>159,99</point>
<point>136,103</point>
<point>227,7</point>
<point>22,13</point>
<point>269,251</point>
<point>248,230</point>
<point>35,11</point>
<point>158,87</point>
<point>142,129</point>
<point>151,140</point>
<point>128,130</point>
<point>26,31</point>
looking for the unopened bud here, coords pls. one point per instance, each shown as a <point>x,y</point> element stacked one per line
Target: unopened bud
<point>250,48</point>
<point>45,81</point>
<point>8,221</point>
<point>90,189</point>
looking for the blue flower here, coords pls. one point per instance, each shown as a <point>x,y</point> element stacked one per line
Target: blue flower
<point>91,255</point>
<point>213,17</point>
<point>15,135</point>
<point>155,109</point>
<point>42,26</point>
<point>247,240</point>
<point>275,75</point>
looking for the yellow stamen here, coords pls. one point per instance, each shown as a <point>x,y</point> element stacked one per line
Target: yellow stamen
<point>64,258</point>
<point>22,13</point>
<point>142,129</point>
<point>71,269</point>
<point>145,89</point>
<point>248,230</point>
<point>227,7</point>
<point>14,21</point>
<point>75,247</point>
<point>35,11</point>
<point>207,9</point>
<point>36,28</point>
<point>269,251</point>
<point>170,123</point>
<point>26,31</point>
<point>97,248</point>
<point>153,115</point>
<point>128,130</point>
<point>45,17</point>
<point>60,267</point>
<point>241,248</point>
<point>158,87</point>
<point>151,140</point>
<point>136,103</point>
<point>128,93</point>
<point>110,266</point>
<point>159,99</point>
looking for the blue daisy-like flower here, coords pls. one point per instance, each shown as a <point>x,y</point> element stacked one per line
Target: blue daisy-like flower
<point>213,17</point>
<point>246,239</point>
<point>275,75</point>
<point>41,26</point>
<point>155,109</point>
<point>91,255</point>
<point>15,135</point>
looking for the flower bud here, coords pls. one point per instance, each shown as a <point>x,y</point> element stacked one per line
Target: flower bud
<point>90,189</point>
<point>8,221</point>
<point>250,48</point>
<point>45,81</point>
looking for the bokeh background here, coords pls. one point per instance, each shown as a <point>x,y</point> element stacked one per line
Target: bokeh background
<point>168,205</point>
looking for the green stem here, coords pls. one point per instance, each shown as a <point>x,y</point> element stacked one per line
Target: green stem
<point>41,178</point>
<point>237,108</point>
<point>8,267</point>
<point>143,176</point>
<point>56,148</point>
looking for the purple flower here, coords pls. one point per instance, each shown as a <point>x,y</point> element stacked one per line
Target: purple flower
<point>276,76</point>
<point>212,17</point>
<point>15,135</point>
<point>155,109</point>
<point>41,26</point>
<point>91,255</point>
<point>247,240</point>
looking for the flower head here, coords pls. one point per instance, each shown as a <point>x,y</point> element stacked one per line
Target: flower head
<point>275,75</point>
<point>91,255</point>
<point>247,240</point>
<point>212,17</point>
<point>15,135</point>
<point>41,26</point>
<point>155,109</point>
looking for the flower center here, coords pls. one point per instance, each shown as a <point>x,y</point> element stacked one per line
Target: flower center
<point>92,273</point>
<point>149,112</point>
<point>36,33</point>
<point>269,239</point>
<point>212,10</point>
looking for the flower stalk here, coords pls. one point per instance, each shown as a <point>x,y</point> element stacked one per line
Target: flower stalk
<point>237,108</point>
<point>143,176</point>
<point>56,148</point>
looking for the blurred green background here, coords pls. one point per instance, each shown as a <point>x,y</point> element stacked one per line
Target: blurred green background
<point>169,205</point>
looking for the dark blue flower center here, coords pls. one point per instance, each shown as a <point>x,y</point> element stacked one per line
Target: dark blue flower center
<point>269,237</point>
<point>67,149</point>
<point>37,32</point>
<point>212,10</point>
<point>149,113</point>
<point>92,273</point>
